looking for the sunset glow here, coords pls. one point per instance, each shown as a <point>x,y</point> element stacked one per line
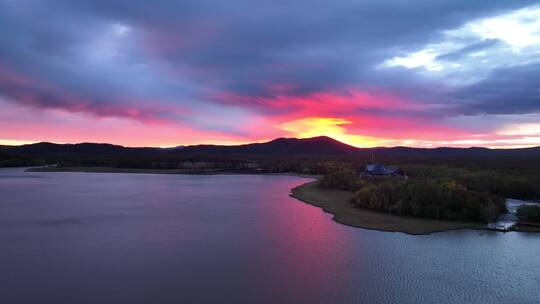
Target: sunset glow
<point>220,74</point>
<point>323,126</point>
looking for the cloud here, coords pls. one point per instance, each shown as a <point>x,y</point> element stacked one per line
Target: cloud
<point>511,90</point>
<point>472,51</point>
<point>30,92</point>
<point>216,66</point>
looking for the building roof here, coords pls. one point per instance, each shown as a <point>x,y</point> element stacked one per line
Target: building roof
<point>378,169</point>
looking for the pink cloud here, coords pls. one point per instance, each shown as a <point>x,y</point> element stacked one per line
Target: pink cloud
<point>355,116</point>
<point>17,123</point>
<point>41,94</point>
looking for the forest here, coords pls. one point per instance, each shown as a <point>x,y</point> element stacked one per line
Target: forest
<point>529,213</point>
<point>461,193</point>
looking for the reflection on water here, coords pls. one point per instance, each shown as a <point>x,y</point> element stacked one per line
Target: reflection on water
<point>143,238</point>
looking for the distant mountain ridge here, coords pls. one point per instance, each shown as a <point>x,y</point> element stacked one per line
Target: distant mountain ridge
<point>47,148</point>
<point>315,146</point>
<point>321,145</point>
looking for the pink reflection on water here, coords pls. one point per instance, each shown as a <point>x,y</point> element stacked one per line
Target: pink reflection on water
<point>308,248</point>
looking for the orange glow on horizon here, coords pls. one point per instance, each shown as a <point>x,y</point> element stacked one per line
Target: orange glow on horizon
<point>327,126</point>
<point>15,142</point>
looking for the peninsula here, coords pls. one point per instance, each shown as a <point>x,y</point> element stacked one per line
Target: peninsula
<point>339,203</point>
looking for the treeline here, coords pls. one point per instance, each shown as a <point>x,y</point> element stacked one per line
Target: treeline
<point>8,160</point>
<point>529,213</point>
<point>515,183</point>
<point>192,163</point>
<point>428,198</point>
<point>519,181</point>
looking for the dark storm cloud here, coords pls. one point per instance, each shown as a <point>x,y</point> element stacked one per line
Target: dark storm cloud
<point>507,91</point>
<point>184,51</point>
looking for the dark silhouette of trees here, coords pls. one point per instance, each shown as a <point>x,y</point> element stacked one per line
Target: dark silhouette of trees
<point>447,200</point>
<point>529,213</point>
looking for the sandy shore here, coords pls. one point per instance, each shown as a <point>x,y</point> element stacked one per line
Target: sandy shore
<point>338,203</point>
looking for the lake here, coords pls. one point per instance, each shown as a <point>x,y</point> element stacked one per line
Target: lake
<point>150,238</point>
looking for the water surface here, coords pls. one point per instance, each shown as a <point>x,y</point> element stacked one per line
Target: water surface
<point>148,238</point>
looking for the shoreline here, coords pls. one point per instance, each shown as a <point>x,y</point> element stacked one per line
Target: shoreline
<point>335,202</point>
<point>159,171</point>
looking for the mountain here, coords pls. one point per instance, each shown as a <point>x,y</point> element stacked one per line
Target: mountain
<point>315,146</point>
<point>326,146</point>
<point>46,148</point>
<point>321,145</point>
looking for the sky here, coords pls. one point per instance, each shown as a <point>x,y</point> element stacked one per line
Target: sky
<point>369,73</point>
